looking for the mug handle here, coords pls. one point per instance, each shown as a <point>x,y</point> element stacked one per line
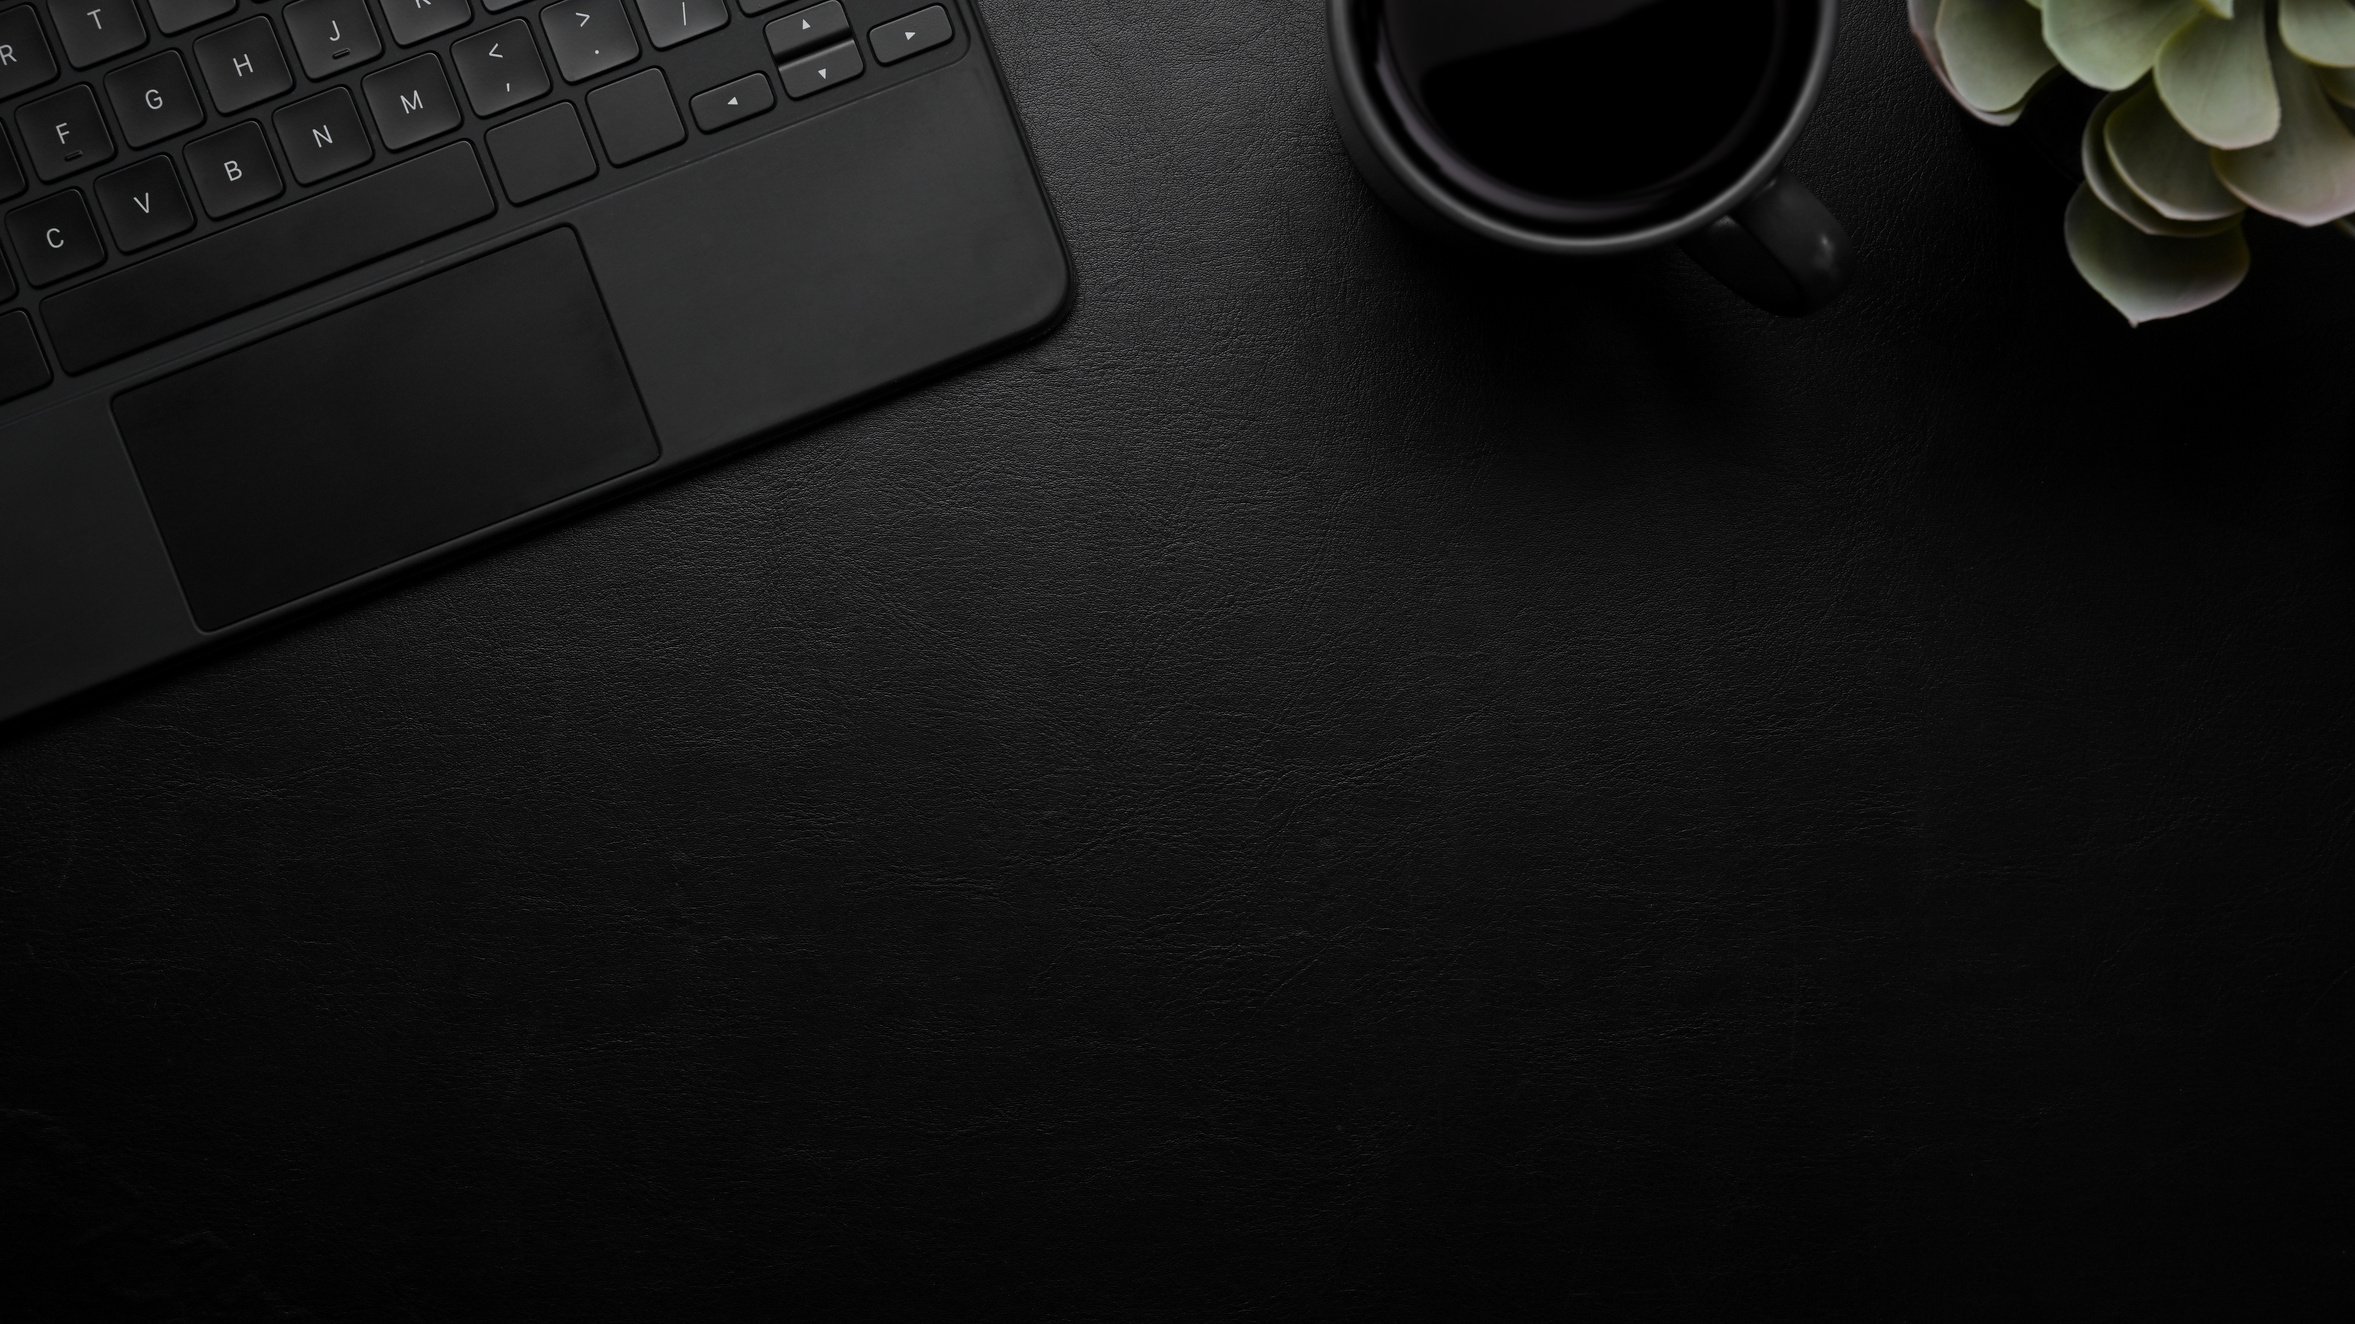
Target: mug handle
<point>1782,249</point>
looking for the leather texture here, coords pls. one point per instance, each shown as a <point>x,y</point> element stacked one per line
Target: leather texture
<point>1353,781</point>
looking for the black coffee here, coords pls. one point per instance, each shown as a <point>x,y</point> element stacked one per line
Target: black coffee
<point>1590,100</point>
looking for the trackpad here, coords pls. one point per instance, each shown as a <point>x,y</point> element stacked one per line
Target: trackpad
<point>385,429</point>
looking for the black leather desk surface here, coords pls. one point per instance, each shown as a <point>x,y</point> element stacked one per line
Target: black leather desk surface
<point>1345,783</point>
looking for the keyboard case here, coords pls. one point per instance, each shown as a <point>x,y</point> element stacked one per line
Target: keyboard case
<point>757,278</point>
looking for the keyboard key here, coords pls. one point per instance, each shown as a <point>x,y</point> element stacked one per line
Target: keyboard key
<point>180,15</point>
<point>330,36</point>
<point>25,61</point>
<point>812,74</point>
<point>500,68</point>
<point>22,369</point>
<point>669,22</point>
<point>233,170</point>
<point>411,101</point>
<point>412,21</point>
<point>242,66</point>
<point>7,283</point>
<point>143,203</point>
<point>153,99</point>
<point>12,175</point>
<point>636,117</point>
<point>96,30</point>
<point>63,132</point>
<point>730,102</point>
<point>807,29</point>
<point>274,254</point>
<point>913,35</point>
<point>494,6</point>
<point>55,238</point>
<point>541,153</point>
<point>589,37</point>
<point>322,136</point>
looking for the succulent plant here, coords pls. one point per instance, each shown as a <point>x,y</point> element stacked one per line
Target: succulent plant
<point>2216,108</point>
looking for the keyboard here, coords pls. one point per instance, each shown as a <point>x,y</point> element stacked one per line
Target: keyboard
<point>165,164</point>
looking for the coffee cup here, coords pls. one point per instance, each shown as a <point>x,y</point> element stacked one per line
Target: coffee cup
<point>1581,128</point>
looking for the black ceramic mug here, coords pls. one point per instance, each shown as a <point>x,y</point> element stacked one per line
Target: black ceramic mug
<point>1586,127</point>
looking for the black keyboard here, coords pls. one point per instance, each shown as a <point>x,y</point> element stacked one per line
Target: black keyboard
<point>168,163</point>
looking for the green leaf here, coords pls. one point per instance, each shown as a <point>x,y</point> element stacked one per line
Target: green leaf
<point>2220,8</point>
<point>2338,84</point>
<point>2166,167</point>
<point>2216,78</point>
<point>2146,277</point>
<point>2320,31</point>
<point>2307,173</point>
<point>1923,15</point>
<point>2102,178</point>
<point>1994,52</point>
<point>2111,43</point>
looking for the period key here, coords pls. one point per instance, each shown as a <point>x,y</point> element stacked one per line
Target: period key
<point>589,37</point>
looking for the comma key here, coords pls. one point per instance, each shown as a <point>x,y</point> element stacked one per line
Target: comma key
<point>501,68</point>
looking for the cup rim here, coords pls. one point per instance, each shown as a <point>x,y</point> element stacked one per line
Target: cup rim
<point>1354,81</point>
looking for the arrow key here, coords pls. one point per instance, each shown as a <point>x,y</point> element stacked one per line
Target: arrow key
<point>812,74</point>
<point>918,32</point>
<point>731,102</point>
<point>807,29</point>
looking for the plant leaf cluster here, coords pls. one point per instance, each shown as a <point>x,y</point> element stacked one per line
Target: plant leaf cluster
<point>2215,109</point>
